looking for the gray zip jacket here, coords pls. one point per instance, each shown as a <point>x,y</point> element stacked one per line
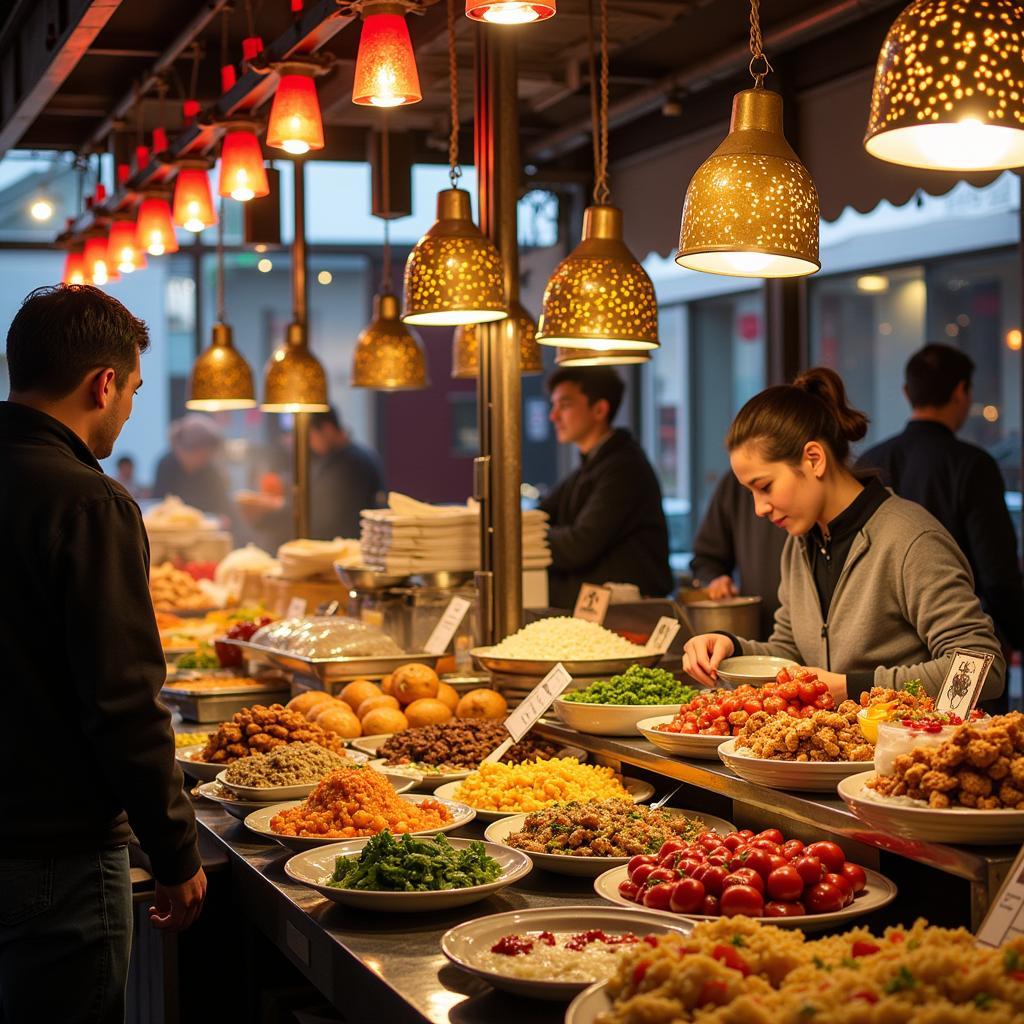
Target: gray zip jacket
<point>903,602</point>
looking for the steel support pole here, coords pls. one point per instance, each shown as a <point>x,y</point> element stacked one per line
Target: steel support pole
<point>499,393</point>
<point>300,482</point>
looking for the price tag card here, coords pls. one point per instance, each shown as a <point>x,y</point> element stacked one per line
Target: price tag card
<point>441,637</point>
<point>537,701</point>
<point>962,686</point>
<point>592,603</point>
<point>664,633</point>
<point>1005,918</point>
<point>234,585</point>
<point>296,608</point>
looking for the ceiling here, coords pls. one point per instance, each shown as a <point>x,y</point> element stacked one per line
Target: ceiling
<point>93,81</point>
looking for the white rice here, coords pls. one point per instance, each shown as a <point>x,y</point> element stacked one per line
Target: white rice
<point>563,639</point>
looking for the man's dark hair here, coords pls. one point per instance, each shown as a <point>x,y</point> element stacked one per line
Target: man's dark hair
<point>323,419</point>
<point>63,331</point>
<point>596,382</point>
<point>931,375</point>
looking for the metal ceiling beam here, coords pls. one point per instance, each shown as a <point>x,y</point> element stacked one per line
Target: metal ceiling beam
<point>39,54</point>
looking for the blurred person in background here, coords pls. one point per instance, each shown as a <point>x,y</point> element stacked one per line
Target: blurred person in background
<point>191,470</point>
<point>126,476</point>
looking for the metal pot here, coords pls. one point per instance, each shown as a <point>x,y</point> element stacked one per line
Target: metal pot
<point>740,616</point>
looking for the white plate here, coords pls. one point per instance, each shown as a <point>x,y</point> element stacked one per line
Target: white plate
<point>583,668</point>
<point>803,776</point>
<point>929,824</point>
<point>275,794</point>
<point>586,1007</point>
<point>638,790</point>
<point>878,893</point>
<point>753,669</point>
<point>609,719</point>
<point>205,771</point>
<point>237,808</point>
<point>259,822</point>
<point>704,747</point>
<point>313,867</point>
<point>463,943</point>
<point>587,867</point>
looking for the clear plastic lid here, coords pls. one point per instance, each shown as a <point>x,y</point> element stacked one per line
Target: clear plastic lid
<point>326,636</point>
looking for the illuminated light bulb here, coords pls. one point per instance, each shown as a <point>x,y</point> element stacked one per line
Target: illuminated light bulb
<point>41,210</point>
<point>295,122</point>
<point>123,249</point>
<point>509,12</point>
<point>193,202</point>
<point>386,74</point>
<point>74,269</point>
<point>154,227</point>
<point>242,174</point>
<point>1014,338</point>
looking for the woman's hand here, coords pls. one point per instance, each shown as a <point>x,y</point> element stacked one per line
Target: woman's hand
<point>703,654</point>
<point>721,587</point>
<point>835,682</point>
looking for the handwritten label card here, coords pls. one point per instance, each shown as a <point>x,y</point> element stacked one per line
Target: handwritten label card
<point>962,686</point>
<point>441,637</point>
<point>664,633</point>
<point>1005,918</point>
<point>592,603</point>
<point>296,608</point>
<point>536,702</point>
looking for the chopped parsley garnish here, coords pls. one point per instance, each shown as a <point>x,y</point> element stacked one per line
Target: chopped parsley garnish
<point>901,981</point>
<point>738,941</point>
<point>1011,960</point>
<point>983,1000</point>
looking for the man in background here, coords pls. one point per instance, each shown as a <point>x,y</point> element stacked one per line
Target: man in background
<point>88,755</point>
<point>959,483</point>
<point>607,522</point>
<point>191,470</point>
<point>126,475</point>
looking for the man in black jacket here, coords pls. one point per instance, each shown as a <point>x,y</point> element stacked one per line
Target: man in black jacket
<point>959,483</point>
<point>607,522</point>
<point>88,753</point>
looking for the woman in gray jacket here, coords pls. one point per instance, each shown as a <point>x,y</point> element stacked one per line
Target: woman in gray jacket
<point>874,591</point>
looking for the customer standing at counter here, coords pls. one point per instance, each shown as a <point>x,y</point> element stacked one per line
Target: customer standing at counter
<point>874,590</point>
<point>607,521</point>
<point>191,469</point>
<point>88,753</point>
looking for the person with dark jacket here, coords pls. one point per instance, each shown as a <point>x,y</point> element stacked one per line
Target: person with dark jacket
<point>959,483</point>
<point>733,539</point>
<point>190,470</point>
<point>88,752</point>
<point>607,524</point>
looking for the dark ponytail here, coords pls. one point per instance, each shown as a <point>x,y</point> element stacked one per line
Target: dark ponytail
<point>781,420</point>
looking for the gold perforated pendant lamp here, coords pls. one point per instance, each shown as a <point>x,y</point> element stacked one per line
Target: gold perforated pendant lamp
<point>466,346</point>
<point>949,87</point>
<point>294,380</point>
<point>599,296</point>
<point>587,357</point>
<point>221,378</point>
<point>388,356</point>
<point>751,210</point>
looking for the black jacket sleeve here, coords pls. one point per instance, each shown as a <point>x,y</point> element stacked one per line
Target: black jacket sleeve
<point>549,503</point>
<point>714,553</point>
<point>99,562</point>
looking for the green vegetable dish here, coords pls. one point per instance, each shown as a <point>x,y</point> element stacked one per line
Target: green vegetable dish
<point>636,686</point>
<point>390,864</point>
<point>202,657</point>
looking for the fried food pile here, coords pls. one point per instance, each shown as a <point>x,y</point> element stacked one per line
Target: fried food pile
<point>174,590</point>
<point>257,729</point>
<point>979,766</point>
<point>824,736</point>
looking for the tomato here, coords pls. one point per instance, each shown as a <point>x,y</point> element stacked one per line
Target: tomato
<point>719,858</point>
<point>758,860</point>
<point>752,706</point>
<point>819,686</point>
<point>730,705</point>
<point>784,884</point>
<point>714,711</point>
<point>807,692</point>
<point>823,898</point>
<point>792,848</point>
<point>741,899</point>
<point>808,711</point>
<point>777,908</point>
<point>688,865</point>
<point>824,702</point>
<point>687,896</point>
<point>672,846</point>
<point>731,957</point>
<point>789,690</point>
<point>829,854</point>
<point>710,841</point>
<point>659,875</point>
<point>865,996</point>
<point>629,890</point>
<point>768,845</point>
<point>641,873</point>
<point>843,884</point>
<point>640,972</point>
<point>640,858</point>
<point>783,676</point>
<point>714,993</point>
<point>810,869</point>
<point>732,840</point>
<point>745,877</point>
<point>658,897</point>
<point>738,857</point>
<point>711,906</point>
<point>864,948</point>
<point>773,705</point>
<point>714,879</point>
<point>773,835</point>
<point>778,861</point>
<point>856,876</point>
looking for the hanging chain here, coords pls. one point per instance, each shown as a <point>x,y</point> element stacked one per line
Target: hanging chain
<point>758,60</point>
<point>385,173</point>
<point>225,57</point>
<point>595,135</point>
<point>220,262</point>
<point>602,194</point>
<point>249,19</point>
<point>455,171</point>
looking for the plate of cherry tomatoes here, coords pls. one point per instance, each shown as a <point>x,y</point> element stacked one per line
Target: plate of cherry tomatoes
<point>757,875</point>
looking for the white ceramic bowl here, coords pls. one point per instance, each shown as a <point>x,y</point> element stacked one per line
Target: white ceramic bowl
<point>754,669</point>
<point>240,809</point>
<point>205,771</point>
<point>589,1005</point>
<point>609,719</point>
<point>802,776</point>
<point>685,745</point>
<point>314,867</point>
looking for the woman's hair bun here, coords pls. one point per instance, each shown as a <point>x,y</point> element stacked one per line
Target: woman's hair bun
<point>827,385</point>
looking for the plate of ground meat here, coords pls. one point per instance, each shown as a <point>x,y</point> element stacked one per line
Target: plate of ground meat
<point>588,838</point>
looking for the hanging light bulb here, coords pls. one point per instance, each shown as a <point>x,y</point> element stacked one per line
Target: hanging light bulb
<point>751,210</point>
<point>242,174</point>
<point>154,228</point>
<point>454,274</point>
<point>586,357</point>
<point>123,250</point>
<point>294,380</point>
<point>386,73</point>
<point>97,268</point>
<point>599,296</point>
<point>388,356</point>
<point>74,268</point>
<point>193,203</point>
<point>295,123</point>
<point>509,12</point>
<point>948,87</point>
<point>466,346</point>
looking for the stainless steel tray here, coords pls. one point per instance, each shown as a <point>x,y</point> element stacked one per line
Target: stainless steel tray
<point>541,667</point>
<point>329,670</point>
<point>366,578</point>
<point>219,707</point>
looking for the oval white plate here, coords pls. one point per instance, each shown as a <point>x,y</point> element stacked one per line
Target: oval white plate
<point>753,669</point>
<point>704,747</point>
<point>638,790</point>
<point>586,1007</point>
<point>275,794</point>
<point>237,808</point>
<point>313,867</point>
<point>804,776</point>
<point>609,719</point>
<point>205,771</point>
<point>930,824</point>
<point>463,943</point>
<point>259,822</point>
<point>878,893</point>
<point>587,867</point>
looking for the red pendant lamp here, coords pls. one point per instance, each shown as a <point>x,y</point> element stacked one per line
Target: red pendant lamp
<point>509,12</point>
<point>154,228</point>
<point>242,174</point>
<point>123,249</point>
<point>295,122</point>
<point>98,270</point>
<point>193,202</point>
<point>74,268</point>
<point>386,74</point>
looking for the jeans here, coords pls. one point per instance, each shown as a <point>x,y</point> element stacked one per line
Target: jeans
<point>65,938</point>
